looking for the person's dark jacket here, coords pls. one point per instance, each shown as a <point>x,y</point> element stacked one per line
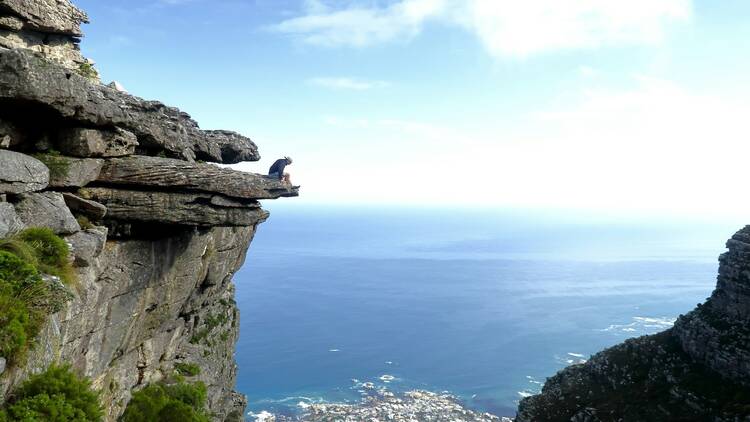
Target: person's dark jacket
<point>278,167</point>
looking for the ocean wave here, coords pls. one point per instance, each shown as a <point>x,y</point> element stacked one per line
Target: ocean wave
<point>644,325</point>
<point>263,416</point>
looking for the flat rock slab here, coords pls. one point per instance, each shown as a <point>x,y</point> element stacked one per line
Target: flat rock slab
<point>87,207</point>
<point>169,174</point>
<point>189,209</point>
<point>80,172</point>
<point>10,223</point>
<point>46,209</point>
<point>21,173</point>
<point>31,79</point>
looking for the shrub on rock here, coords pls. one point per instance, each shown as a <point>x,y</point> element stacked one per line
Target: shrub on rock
<point>179,401</point>
<point>56,395</point>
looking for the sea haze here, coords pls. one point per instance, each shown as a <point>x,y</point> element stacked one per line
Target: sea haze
<point>484,305</point>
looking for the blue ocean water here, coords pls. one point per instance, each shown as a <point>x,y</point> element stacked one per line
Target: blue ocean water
<point>482,304</point>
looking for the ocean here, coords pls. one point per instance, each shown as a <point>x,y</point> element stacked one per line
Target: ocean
<point>482,304</point>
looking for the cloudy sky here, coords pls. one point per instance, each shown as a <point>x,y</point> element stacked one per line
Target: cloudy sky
<point>594,104</point>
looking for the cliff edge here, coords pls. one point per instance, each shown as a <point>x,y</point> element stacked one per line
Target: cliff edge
<point>156,230</point>
<point>699,370</point>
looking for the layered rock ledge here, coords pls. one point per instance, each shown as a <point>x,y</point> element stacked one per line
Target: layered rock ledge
<point>156,232</point>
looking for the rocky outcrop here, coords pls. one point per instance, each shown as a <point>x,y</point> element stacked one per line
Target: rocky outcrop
<point>28,80</point>
<point>155,240</point>
<point>50,27</point>
<point>169,174</point>
<point>190,209</point>
<point>699,370</point>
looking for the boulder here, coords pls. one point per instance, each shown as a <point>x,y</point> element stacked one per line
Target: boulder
<point>46,209</point>
<point>21,173</point>
<point>32,80</point>
<point>167,174</point>
<point>83,142</point>
<point>9,221</point>
<point>87,245</point>
<point>187,209</point>
<point>79,172</point>
<point>90,209</point>
<point>234,148</point>
<point>49,16</point>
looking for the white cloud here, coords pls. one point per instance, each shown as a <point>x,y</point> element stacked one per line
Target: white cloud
<point>654,146</point>
<point>347,83</point>
<point>587,71</point>
<point>507,28</point>
<point>360,25</point>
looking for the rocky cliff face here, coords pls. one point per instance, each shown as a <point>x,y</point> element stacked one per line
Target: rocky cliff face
<point>157,233</point>
<point>699,370</point>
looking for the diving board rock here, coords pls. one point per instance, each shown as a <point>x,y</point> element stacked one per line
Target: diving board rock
<point>170,174</point>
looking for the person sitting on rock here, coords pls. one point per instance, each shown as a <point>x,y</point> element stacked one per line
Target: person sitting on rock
<point>277,170</point>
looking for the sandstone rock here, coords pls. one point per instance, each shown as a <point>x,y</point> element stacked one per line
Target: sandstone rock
<point>82,142</point>
<point>90,209</point>
<point>192,209</point>
<point>31,79</point>
<point>87,245</point>
<point>46,209</point>
<point>80,172</point>
<point>172,174</point>
<point>133,316</point>
<point>60,49</point>
<point>11,23</point>
<point>50,16</point>
<point>21,173</point>
<point>9,221</point>
<point>234,148</point>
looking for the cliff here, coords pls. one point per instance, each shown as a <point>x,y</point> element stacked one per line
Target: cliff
<point>699,370</point>
<point>156,230</point>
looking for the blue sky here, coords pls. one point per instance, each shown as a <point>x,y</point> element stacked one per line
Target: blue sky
<point>587,104</point>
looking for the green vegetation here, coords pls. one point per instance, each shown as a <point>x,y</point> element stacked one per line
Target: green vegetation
<point>59,166</point>
<point>187,369</point>
<point>84,222</point>
<point>87,71</point>
<point>26,299</point>
<point>56,395</point>
<point>51,251</point>
<point>176,401</point>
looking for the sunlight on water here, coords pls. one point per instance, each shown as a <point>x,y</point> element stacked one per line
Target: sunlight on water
<point>482,307</point>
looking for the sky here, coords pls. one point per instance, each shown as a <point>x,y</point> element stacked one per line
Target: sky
<point>631,106</point>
